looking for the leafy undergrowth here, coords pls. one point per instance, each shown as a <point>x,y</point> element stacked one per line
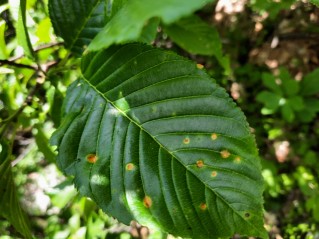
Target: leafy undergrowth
<point>268,63</point>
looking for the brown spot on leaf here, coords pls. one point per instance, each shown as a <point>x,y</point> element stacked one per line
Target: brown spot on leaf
<point>186,141</point>
<point>91,158</point>
<point>214,174</point>
<point>213,136</point>
<point>199,163</point>
<point>225,154</point>
<point>130,167</point>
<point>147,201</point>
<point>203,206</point>
<point>200,66</point>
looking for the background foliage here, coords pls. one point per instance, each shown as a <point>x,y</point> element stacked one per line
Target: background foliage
<point>267,59</point>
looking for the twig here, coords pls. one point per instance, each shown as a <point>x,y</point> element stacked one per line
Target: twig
<point>12,63</point>
<point>39,48</point>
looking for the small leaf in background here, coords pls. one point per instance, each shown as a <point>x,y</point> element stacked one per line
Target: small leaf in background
<point>315,2</point>
<point>287,112</point>
<point>310,111</point>
<point>310,84</point>
<point>289,86</point>
<point>296,103</point>
<point>269,99</point>
<point>3,48</point>
<point>171,151</point>
<point>129,21</point>
<point>269,80</point>
<point>9,204</point>
<point>77,25</point>
<point>55,100</point>
<point>42,142</point>
<point>149,31</point>
<point>22,32</point>
<point>44,30</point>
<point>196,36</point>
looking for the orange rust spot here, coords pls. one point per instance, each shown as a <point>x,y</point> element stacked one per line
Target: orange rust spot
<point>203,206</point>
<point>199,163</point>
<point>130,167</point>
<point>237,159</point>
<point>225,154</point>
<point>214,174</point>
<point>186,141</point>
<point>213,136</point>
<point>91,158</point>
<point>147,201</point>
<point>200,66</point>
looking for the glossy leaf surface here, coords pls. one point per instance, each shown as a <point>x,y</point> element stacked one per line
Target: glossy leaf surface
<point>128,23</point>
<point>150,137</point>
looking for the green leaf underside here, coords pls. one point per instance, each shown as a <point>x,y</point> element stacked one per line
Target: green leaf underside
<point>157,126</point>
<point>196,36</point>
<point>128,23</point>
<point>9,203</point>
<point>78,21</point>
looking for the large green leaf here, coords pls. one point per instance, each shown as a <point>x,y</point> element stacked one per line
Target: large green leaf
<point>78,21</point>
<point>128,23</point>
<point>9,204</point>
<point>150,137</point>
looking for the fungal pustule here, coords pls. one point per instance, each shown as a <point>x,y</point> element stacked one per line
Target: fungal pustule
<point>237,159</point>
<point>91,158</point>
<point>199,163</point>
<point>147,202</point>
<point>130,167</point>
<point>200,66</point>
<point>214,174</point>
<point>225,154</point>
<point>186,140</point>
<point>203,206</point>
<point>213,136</point>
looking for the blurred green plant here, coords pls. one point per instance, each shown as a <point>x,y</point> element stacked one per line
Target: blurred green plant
<point>295,100</point>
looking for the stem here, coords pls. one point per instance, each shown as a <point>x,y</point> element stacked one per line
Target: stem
<point>12,63</point>
<point>39,48</point>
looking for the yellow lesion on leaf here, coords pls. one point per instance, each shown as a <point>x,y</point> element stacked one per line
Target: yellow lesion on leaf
<point>214,174</point>
<point>186,140</point>
<point>237,159</point>
<point>213,136</point>
<point>203,206</point>
<point>200,66</point>
<point>225,154</point>
<point>130,167</point>
<point>147,202</point>
<point>91,158</point>
<point>199,163</point>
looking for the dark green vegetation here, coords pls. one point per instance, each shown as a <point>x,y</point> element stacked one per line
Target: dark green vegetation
<point>147,134</point>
